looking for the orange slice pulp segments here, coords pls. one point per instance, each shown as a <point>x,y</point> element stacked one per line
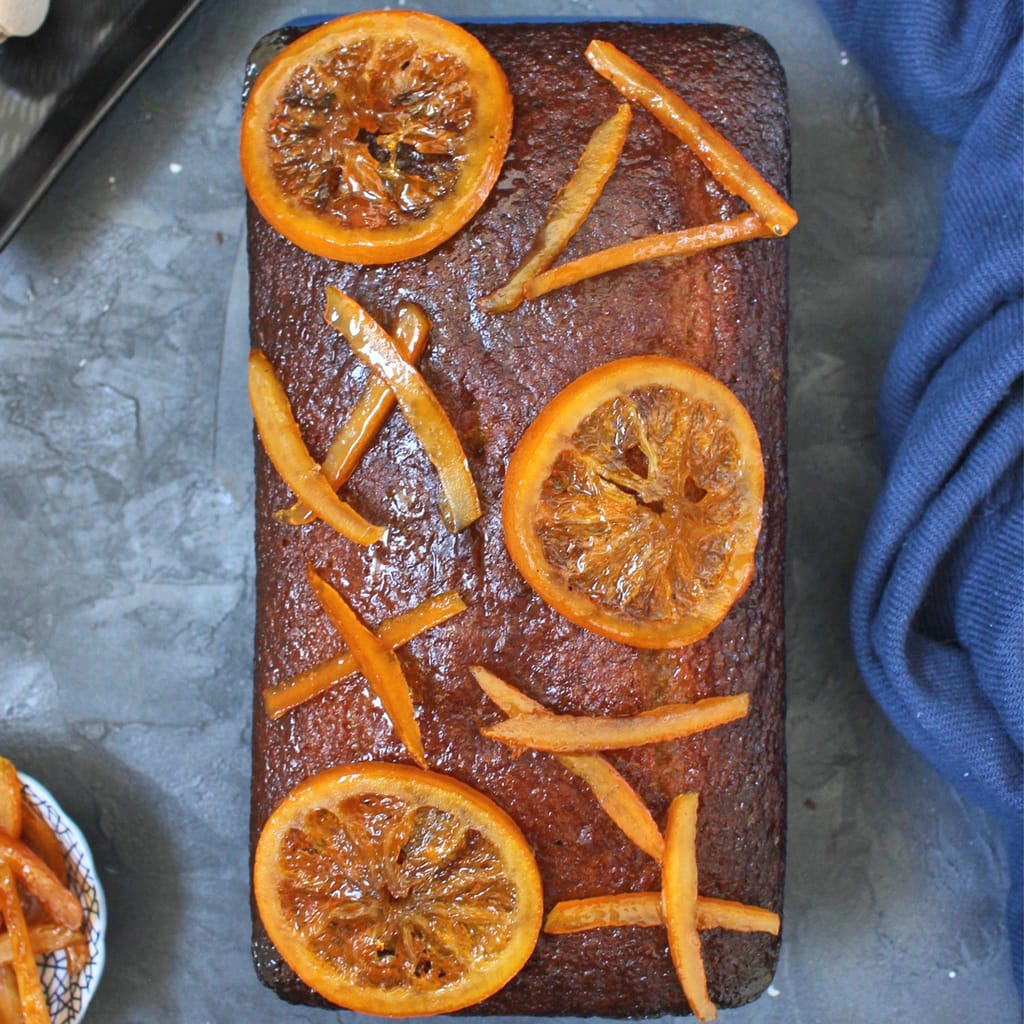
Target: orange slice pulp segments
<point>643,910</point>
<point>584,733</point>
<point>616,796</point>
<point>278,700</point>
<point>376,136</point>
<point>672,243</point>
<point>395,891</point>
<point>679,903</point>
<point>377,662</point>
<point>289,455</point>
<point>460,504</point>
<point>632,503</point>
<point>569,209</point>
<point>729,167</point>
<point>368,414</point>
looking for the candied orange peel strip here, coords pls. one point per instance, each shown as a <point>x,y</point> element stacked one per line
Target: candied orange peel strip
<point>30,999</point>
<point>679,904</point>
<point>38,836</point>
<point>460,503</point>
<point>735,917</point>
<point>377,662</point>
<point>30,989</point>
<point>31,872</point>
<point>643,910</point>
<point>574,734</point>
<point>43,939</point>
<point>278,700</point>
<point>282,441</point>
<point>627,909</point>
<point>569,209</point>
<point>729,167</point>
<point>11,802</point>
<point>616,796</point>
<point>368,414</point>
<point>651,247</point>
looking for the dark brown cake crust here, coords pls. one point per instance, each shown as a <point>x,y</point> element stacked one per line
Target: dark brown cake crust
<point>725,311</point>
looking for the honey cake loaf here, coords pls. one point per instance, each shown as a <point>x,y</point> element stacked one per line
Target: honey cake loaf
<point>724,311</point>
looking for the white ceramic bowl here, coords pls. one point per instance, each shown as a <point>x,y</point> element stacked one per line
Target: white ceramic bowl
<point>69,994</point>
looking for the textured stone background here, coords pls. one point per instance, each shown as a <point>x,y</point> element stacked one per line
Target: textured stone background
<point>126,562</point>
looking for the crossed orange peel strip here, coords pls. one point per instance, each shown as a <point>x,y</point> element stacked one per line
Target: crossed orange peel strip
<point>394,632</point>
<point>678,906</point>
<point>576,741</point>
<point>376,659</point>
<point>394,378</point>
<point>770,215</point>
<point>615,795</point>
<point>460,503</point>
<point>372,408</point>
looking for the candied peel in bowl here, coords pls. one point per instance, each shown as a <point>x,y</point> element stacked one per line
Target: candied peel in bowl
<point>69,986</point>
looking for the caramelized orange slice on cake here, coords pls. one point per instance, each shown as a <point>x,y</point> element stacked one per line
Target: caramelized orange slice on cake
<point>633,502</point>
<point>376,136</point>
<point>395,891</point>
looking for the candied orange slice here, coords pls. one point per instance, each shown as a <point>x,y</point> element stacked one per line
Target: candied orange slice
<point>582,733</point>
<point>278,700</point>
<point>282,441</point>
<point>569,209</point>
<point>729,167</point>
<point>460,504</point>
<point>650,247</point>
<point>619,800</point>
<point>395,891</point>
<point>633,502</point>
<point>378,663</point>
<point>368,415</point>
<point>375,137</point>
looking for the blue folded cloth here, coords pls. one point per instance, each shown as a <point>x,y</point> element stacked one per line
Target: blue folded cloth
<point>937,610</point>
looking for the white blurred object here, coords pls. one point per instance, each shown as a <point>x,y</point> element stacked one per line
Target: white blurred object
<point>21,17</point>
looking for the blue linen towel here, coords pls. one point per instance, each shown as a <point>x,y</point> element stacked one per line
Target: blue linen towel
<point>937,609</point>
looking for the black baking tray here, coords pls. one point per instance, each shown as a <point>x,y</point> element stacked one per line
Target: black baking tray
<point>68,75</point>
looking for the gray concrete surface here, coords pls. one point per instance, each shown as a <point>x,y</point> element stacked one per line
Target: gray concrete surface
<point>126,562</point>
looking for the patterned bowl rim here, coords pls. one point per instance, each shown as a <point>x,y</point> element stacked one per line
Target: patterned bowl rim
<point>42,796</point>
